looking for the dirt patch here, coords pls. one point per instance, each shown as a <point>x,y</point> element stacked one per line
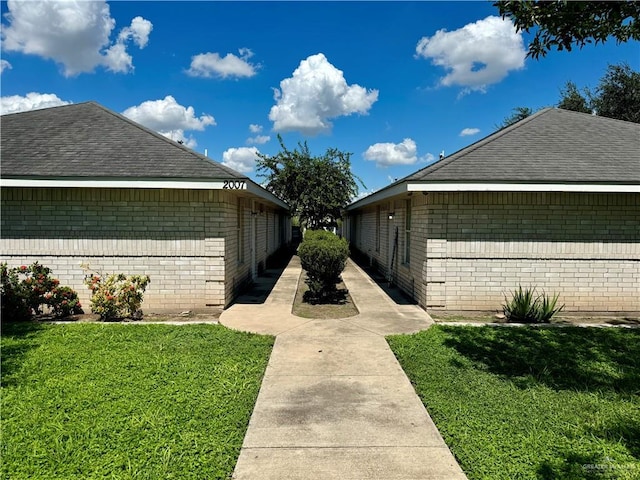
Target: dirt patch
<point>341,306</point>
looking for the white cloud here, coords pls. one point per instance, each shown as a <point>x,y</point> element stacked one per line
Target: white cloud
<point>315,93</point>
<point>242,159</point>
<point>469,131</point>
<point>259,139</point>
<point>387,154</point>
<point>139,31</point>
<point>428,158</point>
<point>75,34</point>
<point>4,65</point>
<point>178,135</point>
<point>213,65</point>
<point>117,59</point>
<point>169,118</point>
<point>476,55</point>
<point>32,101</point>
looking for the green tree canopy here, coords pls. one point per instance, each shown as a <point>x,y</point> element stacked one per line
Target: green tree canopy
<point>564,24</point>
<point>517,114</point>
<point>316,188</point>
<point>618,94</point>
<point>572,99</point>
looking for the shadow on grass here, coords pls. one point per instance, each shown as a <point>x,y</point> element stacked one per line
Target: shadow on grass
<point>594,360</point>
<point>581,359</point>
<point>17,338</point>
<point>626,430</point>
<point>577,467</point>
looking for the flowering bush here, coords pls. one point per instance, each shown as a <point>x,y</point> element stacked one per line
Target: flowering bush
<point>28,291</point>
<point>116,295</point>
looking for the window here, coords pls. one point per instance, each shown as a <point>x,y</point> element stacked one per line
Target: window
<point>407,231</point>
<point>239,230</point>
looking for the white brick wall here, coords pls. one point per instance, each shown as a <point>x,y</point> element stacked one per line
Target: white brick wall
<point>184,240</point>
<point>469,249</point>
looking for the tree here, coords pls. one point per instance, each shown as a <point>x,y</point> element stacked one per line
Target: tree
<point>316,188</point>
<point>618,94</point>
<point>572,99</point>
<point>563,24</point>
<point>518,113</point>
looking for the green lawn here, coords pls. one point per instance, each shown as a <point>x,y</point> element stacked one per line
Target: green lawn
<point>125,401</point>
<point>531,403</point>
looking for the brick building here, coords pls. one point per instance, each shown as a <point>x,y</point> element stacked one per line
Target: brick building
<point>551,202</point>
<point>81,183</point>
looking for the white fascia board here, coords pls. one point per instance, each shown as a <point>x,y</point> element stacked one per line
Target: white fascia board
<point>407,187</point>
<point>261,192</point>
<point>244,185</point>
<point>379,196</point>
<point>69,183</point>
<point>523,187</point>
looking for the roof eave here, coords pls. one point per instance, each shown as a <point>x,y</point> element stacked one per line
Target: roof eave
<point>577,187</point>
<point>241,184</point>
<point>426,187</point>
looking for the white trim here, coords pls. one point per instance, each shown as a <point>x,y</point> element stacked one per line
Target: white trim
<point>172,184</point>
<point>244,185</point>
<point>261,192</point>
<point>407,187</point>
<point>380,195</point>
<point>522,187</point>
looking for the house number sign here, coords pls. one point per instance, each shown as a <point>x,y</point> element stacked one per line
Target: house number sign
<point>234,185</point>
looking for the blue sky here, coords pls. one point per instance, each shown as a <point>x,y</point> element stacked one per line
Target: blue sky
<point>393,83</point>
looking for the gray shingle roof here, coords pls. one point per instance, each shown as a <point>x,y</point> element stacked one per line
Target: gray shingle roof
<point>87,140</point>
<point>551,146</point>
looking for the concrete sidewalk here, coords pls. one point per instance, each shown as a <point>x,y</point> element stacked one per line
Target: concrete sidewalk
<point>334,402</point>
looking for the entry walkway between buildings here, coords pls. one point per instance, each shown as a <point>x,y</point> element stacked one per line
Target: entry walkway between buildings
<point>334,402</point>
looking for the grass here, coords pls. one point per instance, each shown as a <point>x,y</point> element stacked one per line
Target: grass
<point>339,306</point>
<point>85,401</point>
<point>531,403</point>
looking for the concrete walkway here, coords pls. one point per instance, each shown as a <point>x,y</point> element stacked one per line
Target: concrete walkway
<point>334,402</point>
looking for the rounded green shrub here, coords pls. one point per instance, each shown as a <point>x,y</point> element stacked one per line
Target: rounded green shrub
<point>323,256</point>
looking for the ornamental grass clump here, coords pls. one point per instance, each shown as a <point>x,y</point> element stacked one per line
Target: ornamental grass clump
<point>116,295</point>
<point>27,291</point>
<point>323,256</point>
<point>525,307</point>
